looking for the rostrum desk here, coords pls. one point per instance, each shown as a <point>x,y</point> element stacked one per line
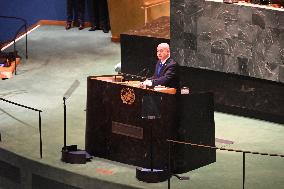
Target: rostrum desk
<point>116,131</point>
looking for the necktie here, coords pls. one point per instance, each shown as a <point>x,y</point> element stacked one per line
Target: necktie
<point>159,68</point>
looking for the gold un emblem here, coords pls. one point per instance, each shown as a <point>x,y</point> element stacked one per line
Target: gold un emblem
<point>127,96</point>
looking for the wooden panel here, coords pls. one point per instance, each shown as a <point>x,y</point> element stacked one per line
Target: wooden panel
<point>128,14</point>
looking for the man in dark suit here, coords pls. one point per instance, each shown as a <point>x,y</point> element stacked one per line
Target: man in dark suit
<point>75,13</point>
<point>166,71</point>
<point>100,15</point>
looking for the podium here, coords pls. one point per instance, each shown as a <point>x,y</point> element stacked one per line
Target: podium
<point>151,108</point>
<point>116,131</point>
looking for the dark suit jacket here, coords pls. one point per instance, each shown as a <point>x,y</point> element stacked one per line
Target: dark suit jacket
<point>168,75</point>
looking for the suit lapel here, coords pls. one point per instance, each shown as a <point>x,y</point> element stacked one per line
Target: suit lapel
<point>164,66</point>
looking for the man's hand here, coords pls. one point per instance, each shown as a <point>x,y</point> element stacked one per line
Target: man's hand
<point>147,82</point>
<point>141,85</point>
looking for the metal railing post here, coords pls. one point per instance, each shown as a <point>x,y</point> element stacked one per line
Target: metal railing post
<point>40,136</point>
<point>40,139</point>
<point>229,150</point>
<point>26,30</point>
<point>15,57</point>
<point>244,169</point>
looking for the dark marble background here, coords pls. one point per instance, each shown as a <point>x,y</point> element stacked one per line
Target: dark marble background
<point>233,93</point>
<point>229,38</point>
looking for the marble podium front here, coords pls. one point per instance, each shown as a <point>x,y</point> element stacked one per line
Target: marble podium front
<point>115,129</point>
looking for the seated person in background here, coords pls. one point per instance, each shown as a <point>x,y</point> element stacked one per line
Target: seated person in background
<point>166,71</point>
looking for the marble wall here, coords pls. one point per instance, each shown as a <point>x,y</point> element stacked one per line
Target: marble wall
<point>228,38</point>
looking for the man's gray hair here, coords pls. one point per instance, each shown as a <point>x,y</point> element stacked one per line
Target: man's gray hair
<point>164,46</point>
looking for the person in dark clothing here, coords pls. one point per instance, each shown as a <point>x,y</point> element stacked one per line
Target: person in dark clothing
<point>166,70</point>
<point>75,13</point>
<point>100,16</point>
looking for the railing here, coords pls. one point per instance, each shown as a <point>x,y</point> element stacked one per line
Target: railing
<point>24,25</point>
<point>39,125</point>
<point>171,142</point>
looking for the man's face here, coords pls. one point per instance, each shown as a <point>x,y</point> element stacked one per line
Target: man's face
<point>162,53</point>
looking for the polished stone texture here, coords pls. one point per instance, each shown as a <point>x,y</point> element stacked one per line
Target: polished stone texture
<point>237,53</point>
<point>196,124</point>
<point>192,121</point>
<point>229,38</point>
<point>104,106</point>
<point>237,94</point>
<point>233,93</point>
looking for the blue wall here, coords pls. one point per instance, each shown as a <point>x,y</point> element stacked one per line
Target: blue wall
<point>32,11</point>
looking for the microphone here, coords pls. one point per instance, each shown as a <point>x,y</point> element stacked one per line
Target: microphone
<point>138,75</point>
<point>148,70</point>
<point>143,70</point>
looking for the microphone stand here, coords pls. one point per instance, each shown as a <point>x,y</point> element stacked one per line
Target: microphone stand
<point>64,104</point>
<point>148,70</point>
<point>70,154</point>
<point>133,76</point>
